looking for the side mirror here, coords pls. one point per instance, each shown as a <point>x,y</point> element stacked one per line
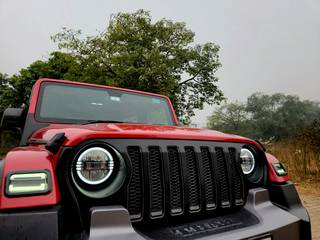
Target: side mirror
<point>13,118</point>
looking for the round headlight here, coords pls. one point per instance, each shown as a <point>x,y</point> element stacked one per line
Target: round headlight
<point>248,161</point>
<point>95,166</point>
<point>98,170</point>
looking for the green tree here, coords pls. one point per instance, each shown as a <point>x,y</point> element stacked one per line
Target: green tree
<point>135,52</point>
<point>15,90</point>
<point>280,116</point>
<point>263,116</point>
<point>230,118</point>
<point>4,90</point>
<point>262,109</point>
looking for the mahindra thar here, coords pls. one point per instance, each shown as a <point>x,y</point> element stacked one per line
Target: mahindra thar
<point>98,162</point>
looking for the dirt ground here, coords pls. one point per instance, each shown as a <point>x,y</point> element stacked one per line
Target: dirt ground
<point>310,197</point>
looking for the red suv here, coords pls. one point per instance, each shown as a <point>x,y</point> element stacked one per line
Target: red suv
<point>98,162</point>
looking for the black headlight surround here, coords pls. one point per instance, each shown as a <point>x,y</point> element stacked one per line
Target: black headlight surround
<point>256,177</point>
<point>110,185</point>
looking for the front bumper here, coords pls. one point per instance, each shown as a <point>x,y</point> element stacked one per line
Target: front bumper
<point>261,218</point>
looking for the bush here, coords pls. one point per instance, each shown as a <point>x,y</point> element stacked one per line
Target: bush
<point>301,155</point>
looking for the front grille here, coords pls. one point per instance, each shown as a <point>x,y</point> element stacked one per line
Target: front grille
<point>135,190</point>
<point>209,179</point>
<point>156,183</point>
<point>183,179</point>
<point>175,181</point>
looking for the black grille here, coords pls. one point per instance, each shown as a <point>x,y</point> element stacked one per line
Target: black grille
<point>135,191</point>
<point>209,179</point>
<point>175,181</point>
<point>193,180</point>
<point>236,174</point>
<point>170,180</point>
<point>156,182</point>
<point>223,177</point>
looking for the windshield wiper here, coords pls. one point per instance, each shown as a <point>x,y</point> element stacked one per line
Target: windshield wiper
<point>101,121</point>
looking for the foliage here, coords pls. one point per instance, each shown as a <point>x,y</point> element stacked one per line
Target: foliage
<point>4,91</point>
<point>133,52</point>
<point>15,90</point>
<point>263,116</point>
<point>230,117</point>
<point>311,134</point>
<point>158,57</point>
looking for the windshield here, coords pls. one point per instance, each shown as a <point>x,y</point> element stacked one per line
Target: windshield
<point>64,103</point>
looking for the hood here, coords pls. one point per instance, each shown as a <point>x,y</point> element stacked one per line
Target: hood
<point>76,134</point>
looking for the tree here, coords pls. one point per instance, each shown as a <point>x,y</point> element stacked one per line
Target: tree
<point>136,53</point>
<point>4,89</point>
<point>229,118</point>
<point>280,116</point>
<point>15,90</point>
<point>263,116</point>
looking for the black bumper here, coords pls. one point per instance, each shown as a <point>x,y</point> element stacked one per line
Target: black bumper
<point>280,216</point>
<point>40,224</point>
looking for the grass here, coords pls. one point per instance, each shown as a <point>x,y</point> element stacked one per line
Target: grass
<point>301,160</point>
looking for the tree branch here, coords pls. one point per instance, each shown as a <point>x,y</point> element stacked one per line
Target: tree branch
<point>190,79</point>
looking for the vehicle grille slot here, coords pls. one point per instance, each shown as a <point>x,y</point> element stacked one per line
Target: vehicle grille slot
<point>175,181</point>
<point>156,182</point>
<point>223,177</point>
<point>193,180</point>
<point>237,179</point>
<point>135,189</point>
<point>209,180</point>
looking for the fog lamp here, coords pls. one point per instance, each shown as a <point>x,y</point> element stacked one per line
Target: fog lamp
<point>28,183</point>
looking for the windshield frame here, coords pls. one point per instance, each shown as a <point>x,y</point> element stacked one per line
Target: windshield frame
<point>45,82</point>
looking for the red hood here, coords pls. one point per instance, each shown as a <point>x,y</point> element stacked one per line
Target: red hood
<point>78,133</point>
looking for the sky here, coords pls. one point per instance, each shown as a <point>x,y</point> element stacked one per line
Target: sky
<point>266,46</point>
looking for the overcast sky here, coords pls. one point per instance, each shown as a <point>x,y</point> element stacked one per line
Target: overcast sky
<point>268,45</point>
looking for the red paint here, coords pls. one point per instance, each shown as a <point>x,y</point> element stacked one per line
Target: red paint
<point>272,175</point>
<point>37,87</point>
<point>29,159</point>
<point>76,133</point>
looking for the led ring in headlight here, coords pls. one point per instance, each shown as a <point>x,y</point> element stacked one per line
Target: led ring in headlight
<point>248,161</point>
<point>98,170</point>
<point>95,166</point>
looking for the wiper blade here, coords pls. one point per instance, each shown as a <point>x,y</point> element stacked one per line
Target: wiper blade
<point>101,121</point>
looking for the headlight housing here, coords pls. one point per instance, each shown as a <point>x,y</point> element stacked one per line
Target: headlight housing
<point>98,170</point>
<point>95,166</point>
<point>247,161</point>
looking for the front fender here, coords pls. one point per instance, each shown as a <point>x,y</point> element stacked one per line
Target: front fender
<point>28,158</point>
<point>272,175</point>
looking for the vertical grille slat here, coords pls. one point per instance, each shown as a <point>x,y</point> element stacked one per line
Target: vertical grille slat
<point>156,182</point>
<point>175,183</point>
<point>223,177</point>
<point>135,189</point>
<point>209,179</point>
<point>237,179</point>
<point>193,180</point>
